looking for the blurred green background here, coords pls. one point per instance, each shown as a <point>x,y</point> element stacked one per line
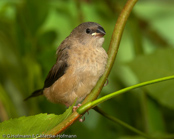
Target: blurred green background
<point>31,31</point>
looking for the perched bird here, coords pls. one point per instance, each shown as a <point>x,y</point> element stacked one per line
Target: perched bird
<point>81,61</point>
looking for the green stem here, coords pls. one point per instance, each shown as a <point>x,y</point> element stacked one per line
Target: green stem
<point>113,49</point>
<point>114,119</point>
<point>94,103</point>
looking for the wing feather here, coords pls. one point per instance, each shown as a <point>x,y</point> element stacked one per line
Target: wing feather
<point>60,67</point>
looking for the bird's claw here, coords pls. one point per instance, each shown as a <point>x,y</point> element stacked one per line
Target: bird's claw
<point>75,108</point>
<point>106,83</point>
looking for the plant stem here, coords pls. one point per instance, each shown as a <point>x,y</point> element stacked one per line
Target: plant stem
<point>114,119</point>
<point>113,49</point>
<point>94,103</point>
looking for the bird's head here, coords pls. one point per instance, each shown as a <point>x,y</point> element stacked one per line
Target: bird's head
<point>87,32</point>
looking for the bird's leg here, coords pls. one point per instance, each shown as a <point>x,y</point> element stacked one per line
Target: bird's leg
<point>67,105</point>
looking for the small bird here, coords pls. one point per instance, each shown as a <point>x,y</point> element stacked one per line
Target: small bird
<point>81,61</point>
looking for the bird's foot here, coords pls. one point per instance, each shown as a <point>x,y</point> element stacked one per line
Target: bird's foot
<point>75,108</point>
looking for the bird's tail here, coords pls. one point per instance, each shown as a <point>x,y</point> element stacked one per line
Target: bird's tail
<point>35,94</point>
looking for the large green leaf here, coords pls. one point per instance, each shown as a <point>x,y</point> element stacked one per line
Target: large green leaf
<point>32,126</point>
<point>156,65</point>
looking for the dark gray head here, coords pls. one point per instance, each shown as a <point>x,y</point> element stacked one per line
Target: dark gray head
<point>88,31</point>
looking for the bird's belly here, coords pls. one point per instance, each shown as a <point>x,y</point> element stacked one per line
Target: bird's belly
<point>71,87</point>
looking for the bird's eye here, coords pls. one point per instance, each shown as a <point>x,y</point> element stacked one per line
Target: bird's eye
<point>88,30</point>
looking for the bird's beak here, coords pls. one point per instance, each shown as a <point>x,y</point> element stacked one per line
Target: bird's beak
<point>99,32</point>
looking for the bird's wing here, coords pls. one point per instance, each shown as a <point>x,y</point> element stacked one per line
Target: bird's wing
<point>60,67</point>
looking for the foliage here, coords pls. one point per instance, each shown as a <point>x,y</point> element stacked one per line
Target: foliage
<point>32,126</point>
<point>30,32</point>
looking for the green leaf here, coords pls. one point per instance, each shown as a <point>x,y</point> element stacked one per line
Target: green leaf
<point>32,125</point>
<point>156,65</point>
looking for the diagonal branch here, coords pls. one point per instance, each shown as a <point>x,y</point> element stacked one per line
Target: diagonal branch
<point>115,120</point>
<point>113,48</point>
<point>96,102</point>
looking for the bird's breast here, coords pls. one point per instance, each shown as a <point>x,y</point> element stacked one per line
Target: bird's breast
<point>88,60</point>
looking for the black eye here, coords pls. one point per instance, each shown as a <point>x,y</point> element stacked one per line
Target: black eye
<point>88,30</point>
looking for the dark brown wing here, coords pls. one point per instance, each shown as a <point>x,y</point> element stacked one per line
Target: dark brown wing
<point>55,73</point>
<point>60,67</point>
